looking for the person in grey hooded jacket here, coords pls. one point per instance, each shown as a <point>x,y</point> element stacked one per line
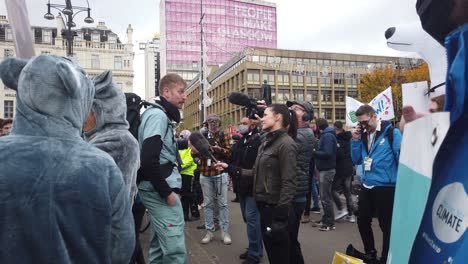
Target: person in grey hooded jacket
<point>107,129</point>
<point>61,199</point>
<point>306,142</point>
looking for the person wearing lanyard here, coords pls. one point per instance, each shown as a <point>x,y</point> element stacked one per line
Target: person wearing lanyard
<point>375,145</point>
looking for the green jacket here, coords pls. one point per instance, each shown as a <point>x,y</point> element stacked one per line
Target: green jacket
<point>188,164</point>
<point>275,171</point>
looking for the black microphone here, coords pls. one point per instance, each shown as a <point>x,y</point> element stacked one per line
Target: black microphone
<point>241,99</point>
<point>202,145</point>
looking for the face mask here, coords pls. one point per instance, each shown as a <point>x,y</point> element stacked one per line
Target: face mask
<point>435,18</point>
<point>243,129</point>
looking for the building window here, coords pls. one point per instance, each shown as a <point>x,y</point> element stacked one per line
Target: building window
<point>44,52</point>
<point>340,114</point>
<point>95,61</point>
<point>46,36</point>
<point>8,109</point>
<point>352,94</point>
<point>253,76</point>
<point>312,95</point>
<point>298,94</point>
<point>112,38</point>
<point>8,53</point>
<point>339,96</point>
<point>118,63</point>
<point>9,34</point>
<point>95,37</point>
<point>326,96</point>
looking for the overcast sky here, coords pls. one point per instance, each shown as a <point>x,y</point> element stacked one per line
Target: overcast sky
<point>341,26</point>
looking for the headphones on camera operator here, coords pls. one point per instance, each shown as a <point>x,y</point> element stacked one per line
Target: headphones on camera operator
<point>308,109</point>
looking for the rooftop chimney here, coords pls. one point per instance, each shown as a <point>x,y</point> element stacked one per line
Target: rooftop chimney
<point>101,25</point>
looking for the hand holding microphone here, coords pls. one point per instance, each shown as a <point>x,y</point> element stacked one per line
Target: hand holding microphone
<point>201,145</point>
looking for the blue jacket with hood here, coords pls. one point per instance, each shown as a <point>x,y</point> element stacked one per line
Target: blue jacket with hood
<point>325,156</point>
<point>61,199</point>
<point>384,157</point>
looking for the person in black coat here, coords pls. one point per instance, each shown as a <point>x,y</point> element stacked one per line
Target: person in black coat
<point>243,155</point>
<point>344,174</point>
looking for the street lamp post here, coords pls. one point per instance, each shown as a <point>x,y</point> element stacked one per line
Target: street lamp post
<point>69,12</point>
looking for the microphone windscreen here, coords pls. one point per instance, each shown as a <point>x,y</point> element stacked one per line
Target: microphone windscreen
<point>239,99</point>
<point>201,144</point>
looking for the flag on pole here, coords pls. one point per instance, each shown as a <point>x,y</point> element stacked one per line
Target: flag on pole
<point>351,106</point>
<point>19,21</point>
<point>383,104</point>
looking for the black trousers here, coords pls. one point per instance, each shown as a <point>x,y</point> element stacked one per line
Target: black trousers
<point>187,197</point>
<point>277,248</point>
<point>380,201</point>
<point>343,183</point>
<point>295,214</point>
<point>138,211</point>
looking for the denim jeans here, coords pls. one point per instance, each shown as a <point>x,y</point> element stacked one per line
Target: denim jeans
<point>312,193</point>
<point>315,191</point>
<point>252,219</point>
<point>215,186</point>
<point>326,184</point>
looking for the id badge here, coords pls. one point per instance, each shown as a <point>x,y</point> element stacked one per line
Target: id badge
<point>367,164</point>
<point>208,162</point>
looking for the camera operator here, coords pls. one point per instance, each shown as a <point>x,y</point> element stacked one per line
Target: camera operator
<point>243,155</point>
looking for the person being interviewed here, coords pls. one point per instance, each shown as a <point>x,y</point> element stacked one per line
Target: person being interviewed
<point>274,174</point>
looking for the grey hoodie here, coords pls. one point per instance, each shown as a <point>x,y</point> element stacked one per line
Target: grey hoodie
<point>111,131</point>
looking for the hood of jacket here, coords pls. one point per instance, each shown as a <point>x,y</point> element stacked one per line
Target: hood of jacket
<point>329,130</point>
<point>53,96</point>
<point>109,106</point>
<point>345,136</point>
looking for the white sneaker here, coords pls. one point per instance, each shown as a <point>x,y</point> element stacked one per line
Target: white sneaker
<point>208,237</point>
<point>226,238</point>
<point>350,218</point>
<point>340,214</point>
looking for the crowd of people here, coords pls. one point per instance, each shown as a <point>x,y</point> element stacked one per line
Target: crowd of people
<point>74,173</point>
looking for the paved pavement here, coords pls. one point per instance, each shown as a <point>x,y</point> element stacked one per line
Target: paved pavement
<point>317,247</point>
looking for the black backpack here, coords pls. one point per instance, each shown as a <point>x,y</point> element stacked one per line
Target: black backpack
<point>134,104</point>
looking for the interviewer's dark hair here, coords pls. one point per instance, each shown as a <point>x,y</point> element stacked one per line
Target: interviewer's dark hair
<point>289,118</point>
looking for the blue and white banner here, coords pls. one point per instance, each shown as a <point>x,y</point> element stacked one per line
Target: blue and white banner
<point>422,139</point>
<point>383,104</point>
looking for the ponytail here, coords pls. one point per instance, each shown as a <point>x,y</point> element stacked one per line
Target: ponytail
<point>289,117</point>
<point>293,124</point>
